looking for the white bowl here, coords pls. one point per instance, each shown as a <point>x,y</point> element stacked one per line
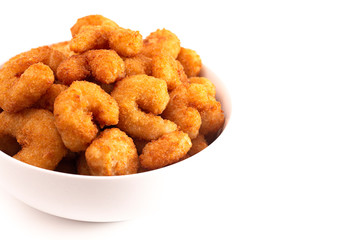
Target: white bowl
<point>108,199</point>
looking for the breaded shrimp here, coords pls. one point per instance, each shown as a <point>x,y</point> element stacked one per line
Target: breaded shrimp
<point>104,65</point>
<point>166,67</point>
<point>26,77</point>
<point>198,144</point>
<point>191,62</point>
<point>168,149</point>
<point>112,153</point>
<point>161,42</point>
<point>77,107</point>
<point>48,99</point>
<point>35,131</point>
<point>98,32</point>
<point>193,107</point>
<point>139,64</point>
<point>141,98</point>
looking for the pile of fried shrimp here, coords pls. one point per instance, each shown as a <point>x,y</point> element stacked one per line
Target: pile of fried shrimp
<point>107,102</point>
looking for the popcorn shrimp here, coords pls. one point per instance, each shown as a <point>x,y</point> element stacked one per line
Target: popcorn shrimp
<point>104,65</point>
<point>98,32</point>
<point>112,153</point>
<point>191,62</point>
<point>168,149</point>
<point>160,42</point>
<point>77,107</point>
<point>26,77</point>
<point>35,131</point>
<point>141,98</point>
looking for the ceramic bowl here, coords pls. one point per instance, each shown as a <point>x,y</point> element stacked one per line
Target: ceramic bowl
<point>115,198</point>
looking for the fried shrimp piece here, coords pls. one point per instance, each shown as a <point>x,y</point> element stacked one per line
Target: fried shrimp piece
<point>166,67</point>
<point>125,42</point>
<point>139,64</point>
<point>193,107</point>
<point>26,77</point>
<point>210,87</point>
<point>198,144</point>
<point>91,20</point>
<point>168,149</point>
<point>48,99</point>
<point>179,111</point>
<point>160,42</point>
<point>77,107</point>
<point>191,62</point>
<point>35,131</point>
<point>63,47</point>
<point>98,32</point>
<point>141,98</point>
<point>104,65</point>
<point>212,119</point>
<point>112,153</point>
<point>90,37</point>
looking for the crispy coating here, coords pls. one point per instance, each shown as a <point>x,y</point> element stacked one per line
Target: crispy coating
<point>98,32</point>
<point>91,20</point>
<point>48,99</point>
<point>104,65</point>
<point>210,87</point>
<point>63,47</point>
<point>26,77</point>
<point>37,135</point>
<point>212,119</point>
<point>90,37</point>
<point>112,153</point>
<point>198,144</point>
<point>168,149</point>
<point>182,75</point>
<point>137,94</point>
<point>139,64</point>
<point>125,42</point>
<point>194,109</point>
<point>77,107</point>
<point>161,42</point>
<point>166,67</point>
<point>179,111</point>
<point>191,62</point>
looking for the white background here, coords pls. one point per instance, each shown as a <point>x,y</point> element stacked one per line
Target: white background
<point>293,71</point>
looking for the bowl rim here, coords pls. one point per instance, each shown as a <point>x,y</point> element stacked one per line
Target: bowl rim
<point>228,114</point>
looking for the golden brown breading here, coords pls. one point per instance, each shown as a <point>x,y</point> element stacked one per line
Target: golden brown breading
<point>166,67</point>
<point>35,131</point>
<point>168,149</point>
<point>63,47</point>
<point>91,20</point>
<point>161,42</point>
<point>193,107</point>
<point>98,32</point>
<point>137,94</point>
<point>26,77</point>
<point>47,100</point>
<point>112,153</point>
<point>77,107</point>
<point>180,112</point>
<point>191,62</point>
<point>198,144</point>
<point>104,65</point>
<point>139,64</point>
